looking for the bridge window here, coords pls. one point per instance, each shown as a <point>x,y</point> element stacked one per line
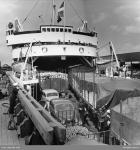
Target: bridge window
<point>65,29</point>
<point>57,29</point>
<point>48,29</point>
<point>61,29</point>
<point>52,29</point>
<point>43,29</point>
<point>69,30</point>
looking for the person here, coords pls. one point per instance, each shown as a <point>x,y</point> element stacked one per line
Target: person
<point>12,101</point>
<point>124,70</point>
<point>36,92</point>
<point>91,128</point>
<point>90,125</point>
<point>1,94</point>
<point>28,88</point>
<point>62,95</point>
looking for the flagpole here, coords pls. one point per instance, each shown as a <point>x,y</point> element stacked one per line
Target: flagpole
<point>64,20</point>
<point>53,12</point>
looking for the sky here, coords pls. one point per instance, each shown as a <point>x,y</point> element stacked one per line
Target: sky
<point>114,20</point>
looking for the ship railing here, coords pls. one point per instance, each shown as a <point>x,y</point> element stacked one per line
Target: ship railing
<point>102,136</point>
<point>107,137</point>
<point>115,139</point>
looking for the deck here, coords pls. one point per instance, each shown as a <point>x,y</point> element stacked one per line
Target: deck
<point>7,137</point>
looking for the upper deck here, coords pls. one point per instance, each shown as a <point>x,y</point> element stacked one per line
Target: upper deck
<point>51,34</point>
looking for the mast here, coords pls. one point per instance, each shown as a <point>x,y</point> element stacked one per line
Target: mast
<point>64,19</point>
<point>53,12</point>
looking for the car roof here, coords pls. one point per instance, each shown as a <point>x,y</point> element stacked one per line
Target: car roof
<point>50,91</point>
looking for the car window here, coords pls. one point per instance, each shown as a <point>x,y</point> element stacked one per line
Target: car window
<point>52,94</point>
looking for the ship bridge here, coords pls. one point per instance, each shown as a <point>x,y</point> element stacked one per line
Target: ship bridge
<point>52,40</point>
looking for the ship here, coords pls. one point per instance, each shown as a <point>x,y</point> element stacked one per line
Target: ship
<point>52,44</point>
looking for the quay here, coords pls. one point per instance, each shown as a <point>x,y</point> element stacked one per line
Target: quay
<point>7,137</point>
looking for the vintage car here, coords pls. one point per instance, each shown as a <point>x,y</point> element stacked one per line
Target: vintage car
<point>50,94</point>
<point>63,110</point>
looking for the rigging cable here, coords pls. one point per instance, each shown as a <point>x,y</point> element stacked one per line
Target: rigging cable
<point>100,48</point>
<point>40,17</point>
<point>83,21</point>
<point>30,12</point>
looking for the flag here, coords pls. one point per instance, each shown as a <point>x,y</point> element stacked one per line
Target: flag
<point>60,12</point>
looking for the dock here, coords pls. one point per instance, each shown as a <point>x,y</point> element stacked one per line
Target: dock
<point>7,137</point>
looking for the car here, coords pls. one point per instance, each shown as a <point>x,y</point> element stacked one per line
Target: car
<point>62,109</point>
<point>49,94</point>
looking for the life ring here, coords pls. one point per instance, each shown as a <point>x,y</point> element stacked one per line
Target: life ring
<point>10,25</point>
<point>81,50</point>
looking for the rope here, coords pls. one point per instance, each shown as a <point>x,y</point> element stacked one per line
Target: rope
<point>100,48</point>
<point>6,105</point>
<point>30,12</point>
<point>77,14</point>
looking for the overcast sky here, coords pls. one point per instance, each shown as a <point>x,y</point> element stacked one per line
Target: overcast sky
<point>115,20</point>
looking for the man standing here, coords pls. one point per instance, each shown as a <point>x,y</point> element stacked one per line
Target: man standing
<point>12,101</point>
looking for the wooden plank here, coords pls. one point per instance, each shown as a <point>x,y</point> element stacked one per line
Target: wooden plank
<point>41,124</point>
<point>0,125</point>
<point>7,137</point>
<point>4,134</point>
